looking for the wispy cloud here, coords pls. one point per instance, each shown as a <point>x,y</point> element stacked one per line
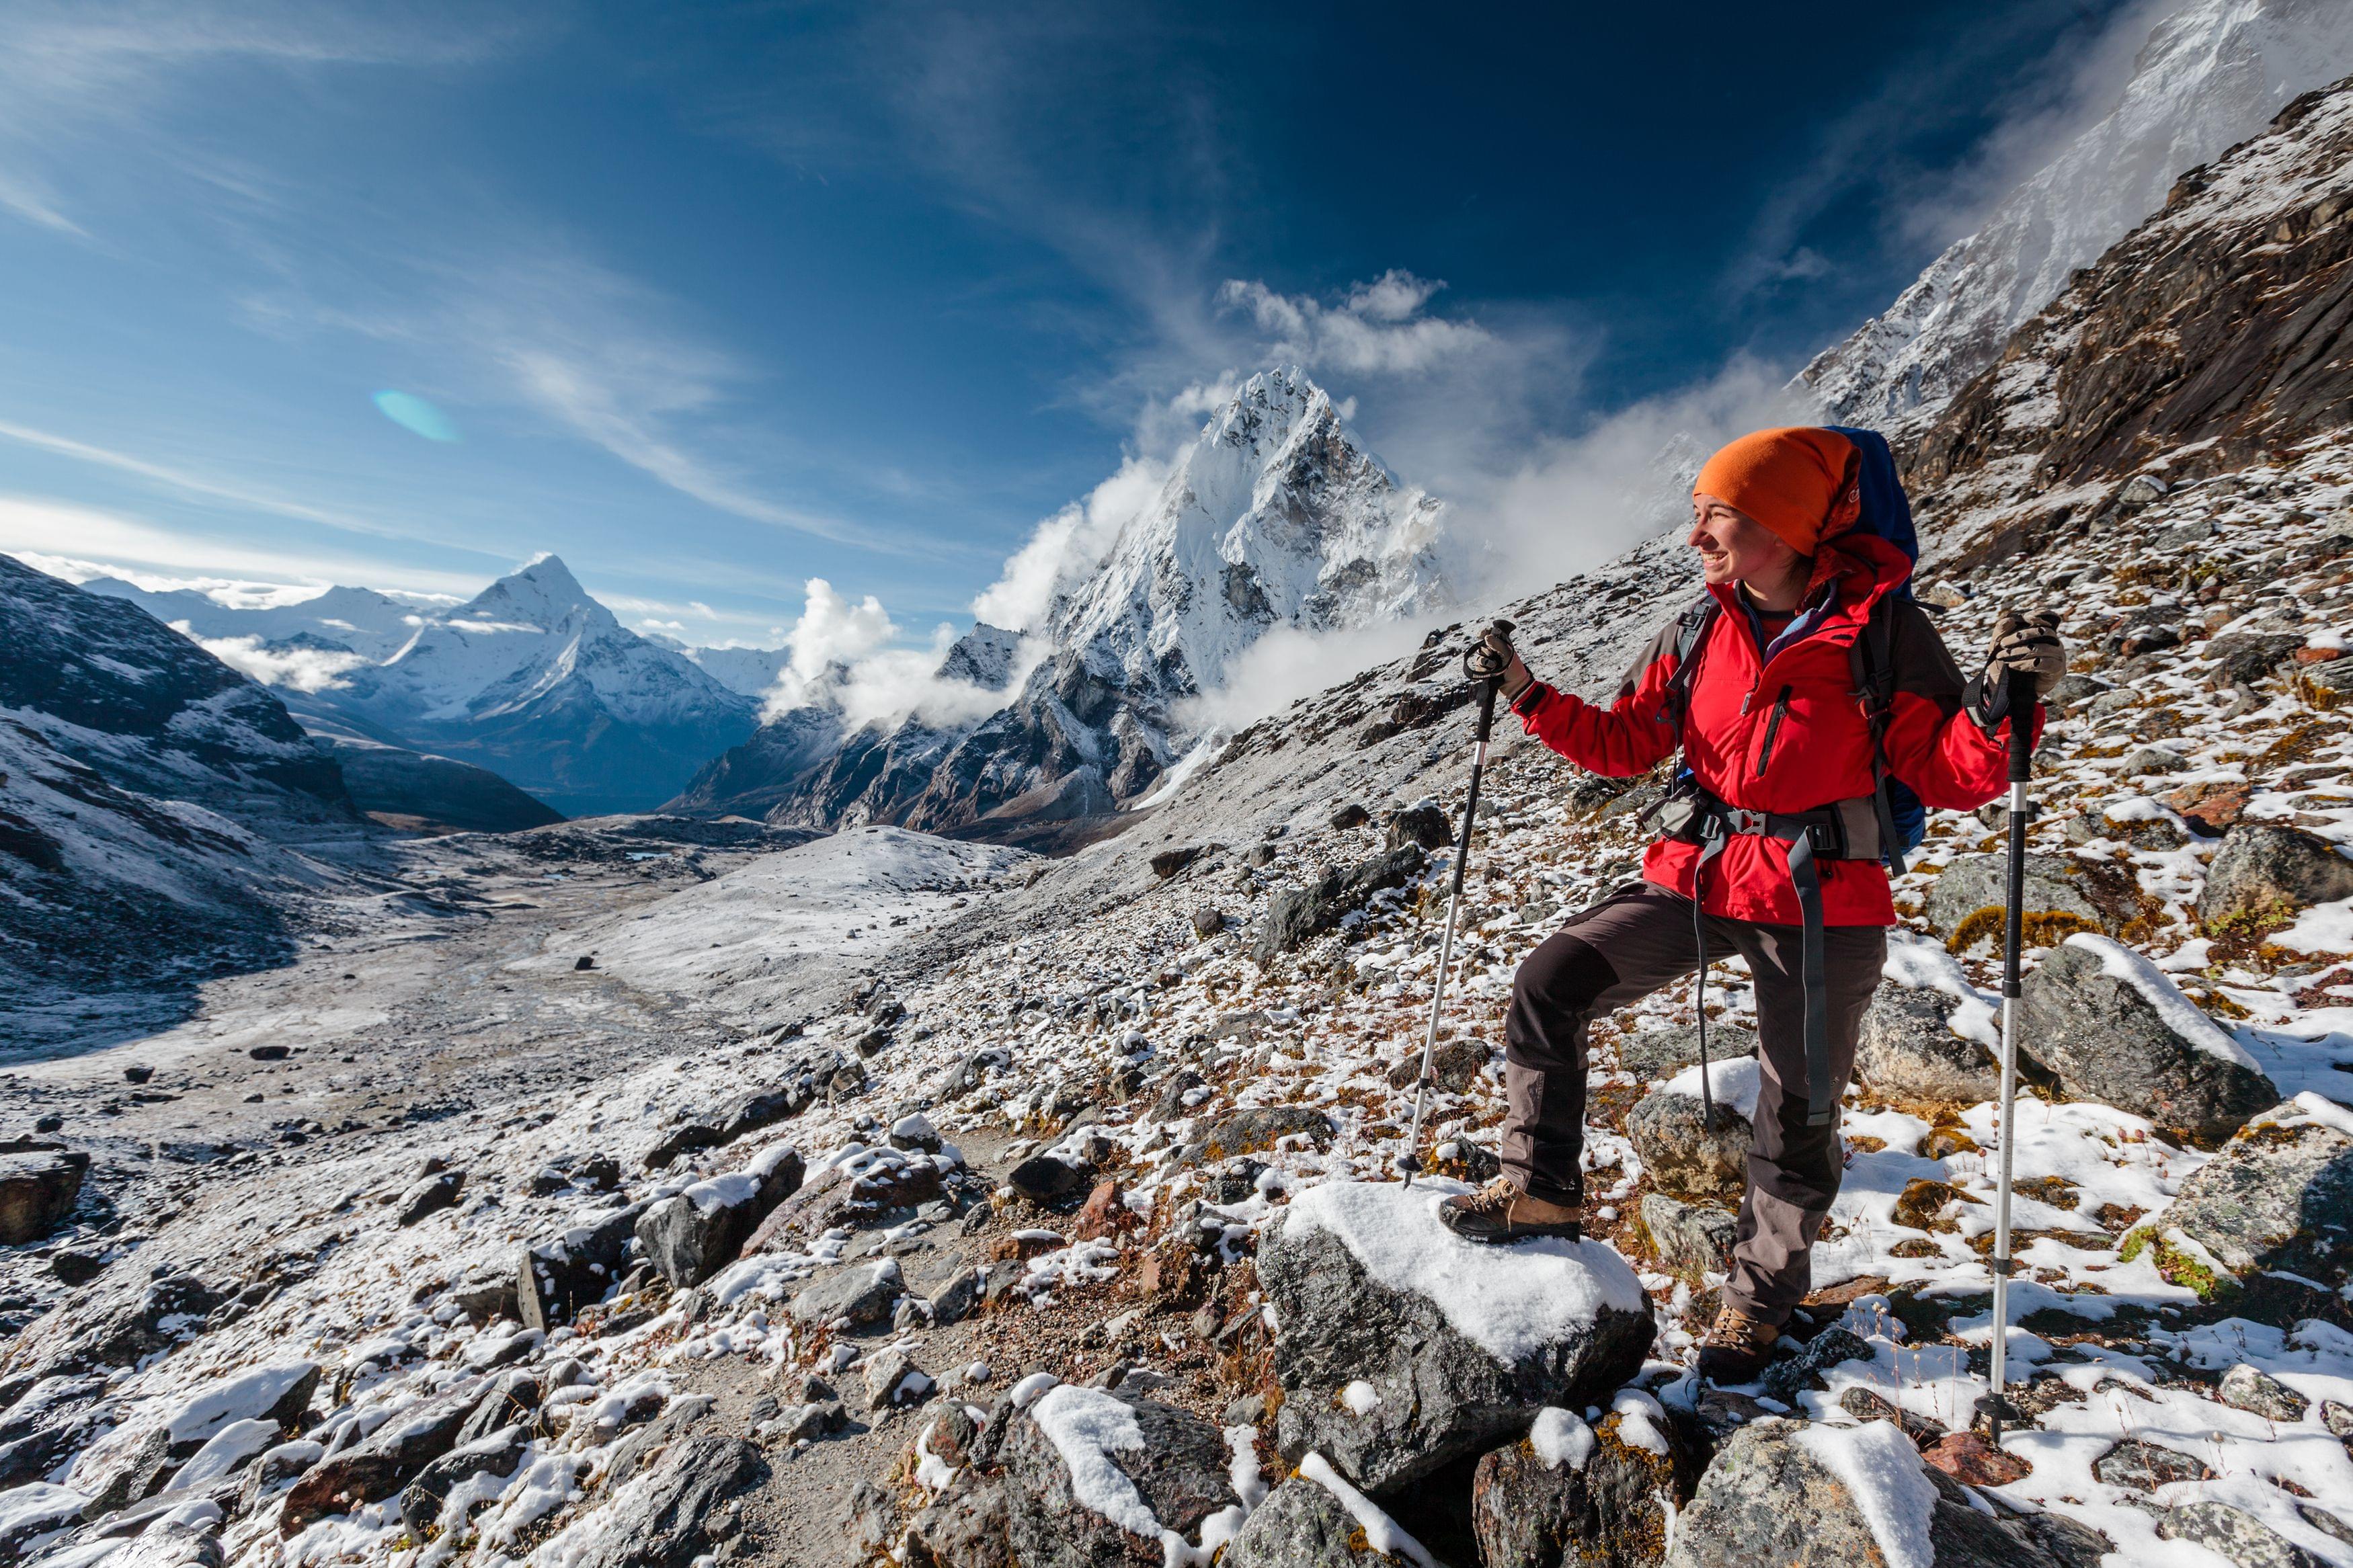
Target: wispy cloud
<point>75,71</point>
<point>83,542</point>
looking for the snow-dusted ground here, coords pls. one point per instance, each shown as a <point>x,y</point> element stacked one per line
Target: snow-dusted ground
<point>1056,975</point>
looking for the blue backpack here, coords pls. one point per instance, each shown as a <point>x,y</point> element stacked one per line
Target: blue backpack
<point>1886,513</point>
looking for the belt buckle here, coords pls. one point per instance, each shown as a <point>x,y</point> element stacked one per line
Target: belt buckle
<point>1742,820</point>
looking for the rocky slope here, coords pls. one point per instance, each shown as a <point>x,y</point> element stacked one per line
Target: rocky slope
<point>535,680</point>
<point>1068,1232</point>
<point>157,809</point>
<point>1274,517</point>
<point>2211,74</point>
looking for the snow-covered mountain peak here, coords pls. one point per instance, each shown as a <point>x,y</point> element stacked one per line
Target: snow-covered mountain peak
<point>543,594</point>
<point>1274,516</point>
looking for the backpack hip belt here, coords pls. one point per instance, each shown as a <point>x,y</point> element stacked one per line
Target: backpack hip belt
<point>1843,830</point>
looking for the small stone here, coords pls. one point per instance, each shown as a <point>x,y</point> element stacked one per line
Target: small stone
<point>1208,922</point>
<point>893,1378</point>
<point>1971,1460</point>
<point>1043,1178</point>
<point>585,961</point>
<point>2248,1388</point>
<point>269,1053</point>
<point>137,1074</point>
<point>1352,814</point>
<point>1683,1153</point>
<point>1424,825</point>
<point>431,1197</point>
<point>1168,862</point>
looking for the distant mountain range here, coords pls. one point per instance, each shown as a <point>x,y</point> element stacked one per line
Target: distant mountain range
<point>532,678</point>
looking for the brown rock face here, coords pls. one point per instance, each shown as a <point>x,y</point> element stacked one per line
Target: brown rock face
<point>2220,318</point>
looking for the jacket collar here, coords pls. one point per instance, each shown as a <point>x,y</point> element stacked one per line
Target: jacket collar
<point>1850,575</point>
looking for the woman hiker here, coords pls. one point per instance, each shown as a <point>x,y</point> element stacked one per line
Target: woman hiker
<point>1804,680</point>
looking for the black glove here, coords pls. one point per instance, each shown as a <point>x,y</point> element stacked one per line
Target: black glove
<point>1493,658</point>
<point>2027,642</point>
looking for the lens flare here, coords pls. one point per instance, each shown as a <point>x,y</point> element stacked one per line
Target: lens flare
<point>413,414</point>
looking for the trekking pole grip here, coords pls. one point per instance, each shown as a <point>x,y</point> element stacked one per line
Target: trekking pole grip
<point>2021,704</point>
<point>1488,688</point>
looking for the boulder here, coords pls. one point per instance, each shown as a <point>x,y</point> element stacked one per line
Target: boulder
<point>2243,658</point>
<point>1790,1492</point>
<point>893,1378</point>
<point>955,1300</point>
<point>1689,1239</point>
<point>1681,1153</point>
<point>1304,1523</point>
<point>861,1293</point>
<point>1596,1497</point>
<point>1297,915</point>
<point>2145,1466</point>
<point>1248,1131</point>
<point>508,1402</point>
<point>745,1116</point>
<point>1454,1066</point>
<point>663,1522</point>
<point>2234,1535</point>
<point>1455,1345</point>
<point>1974,882</point>
<point>1650,1054</point>
<point>485,1297</point>
<point>2279,1195</point>
<point>693,1234</point>
<point>2245,1387</point>
<point>431,1197</point>
<point>574,1268</point>
<point>1047,1178</point>
<point>1143,1471</point>
<point>2111,1027</point>
<point>375,1466</point>
<point>1907,1050</point>
<point>38,1189</point>
<point>1423,826</point>
<point>496,1454</point>
<point>53,1418</point>
<point>2264,872</point>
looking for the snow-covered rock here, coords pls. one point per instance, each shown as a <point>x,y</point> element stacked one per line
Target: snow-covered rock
<point>1461,1343</point>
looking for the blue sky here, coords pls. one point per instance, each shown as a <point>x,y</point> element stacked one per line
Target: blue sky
<point>719,298</point>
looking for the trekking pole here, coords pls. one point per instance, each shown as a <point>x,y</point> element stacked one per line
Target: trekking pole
<point>1411,1162</point>
<point>2021,766</point>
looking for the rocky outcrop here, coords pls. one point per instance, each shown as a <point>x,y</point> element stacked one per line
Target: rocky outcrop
<point>1401,1348</point>
<point>2111,1027</point>
<point>1907,1050</point>
<point>38,1189</point>
<point>557,1277</point>
<point>1571,1493</point>
<point>1786,1491</point>
<point>2278,1196</point>
<point>1303,1524</point>
<point>663,1519</point>
<point>1683,1151</point>
<point>1296,915</point>
<point>693,1234</point>
<point>2055,886</point>
<point>2264,873</point>
<point>378,1465</point>
<point>2204,331</point>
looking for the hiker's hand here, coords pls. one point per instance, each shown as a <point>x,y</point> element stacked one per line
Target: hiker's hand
<point>2027,643</point>
<point>1493,658</point>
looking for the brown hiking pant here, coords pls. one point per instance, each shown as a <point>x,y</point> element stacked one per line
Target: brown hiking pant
<point>1634,942</point>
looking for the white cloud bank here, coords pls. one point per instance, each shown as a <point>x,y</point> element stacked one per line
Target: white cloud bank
<point>843,658</point>
<point>296,669</point>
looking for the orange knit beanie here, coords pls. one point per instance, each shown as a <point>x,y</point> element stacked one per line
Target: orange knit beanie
<point>1797,481</point>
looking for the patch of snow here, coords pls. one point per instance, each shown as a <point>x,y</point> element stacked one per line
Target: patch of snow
<point>1509,1301</point>
<point>1382,1534</point>
<point>1881,1469</point>
<point>1360,1396</point>
<point>1561,1438</point>
<point>1735,1084</point>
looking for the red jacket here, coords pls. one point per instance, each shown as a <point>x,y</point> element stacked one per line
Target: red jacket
<point>1787,733</point>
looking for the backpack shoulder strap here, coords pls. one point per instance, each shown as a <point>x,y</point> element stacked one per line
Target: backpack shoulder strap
<point>1691,633</point>
<point>1871,658</point>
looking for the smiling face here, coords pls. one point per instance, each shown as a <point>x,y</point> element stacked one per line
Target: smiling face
<point>1735,547</point>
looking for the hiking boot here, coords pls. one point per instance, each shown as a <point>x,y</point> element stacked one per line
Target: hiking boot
<point>1736,1346</point>
<point>1500,1212</point>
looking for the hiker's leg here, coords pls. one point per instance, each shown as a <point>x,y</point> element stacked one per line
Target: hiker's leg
<point>1608,956</point>
<point>1794,1168</point>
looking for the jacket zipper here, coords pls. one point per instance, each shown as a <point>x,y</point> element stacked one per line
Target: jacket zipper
<point>1773,728</point>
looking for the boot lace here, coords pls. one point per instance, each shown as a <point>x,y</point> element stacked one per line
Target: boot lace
<point>1495,1198</point>
<point>1734,1327</point>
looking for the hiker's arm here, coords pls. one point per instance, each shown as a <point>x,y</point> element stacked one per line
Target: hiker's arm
<point>1624,739</point>
<point>1934,743</point>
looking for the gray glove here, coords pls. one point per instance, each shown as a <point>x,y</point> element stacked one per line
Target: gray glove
<point>1493,658</point>
<point>2028,642</point>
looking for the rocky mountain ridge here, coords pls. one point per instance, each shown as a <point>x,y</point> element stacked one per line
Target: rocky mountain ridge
<point>2210,75</point>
